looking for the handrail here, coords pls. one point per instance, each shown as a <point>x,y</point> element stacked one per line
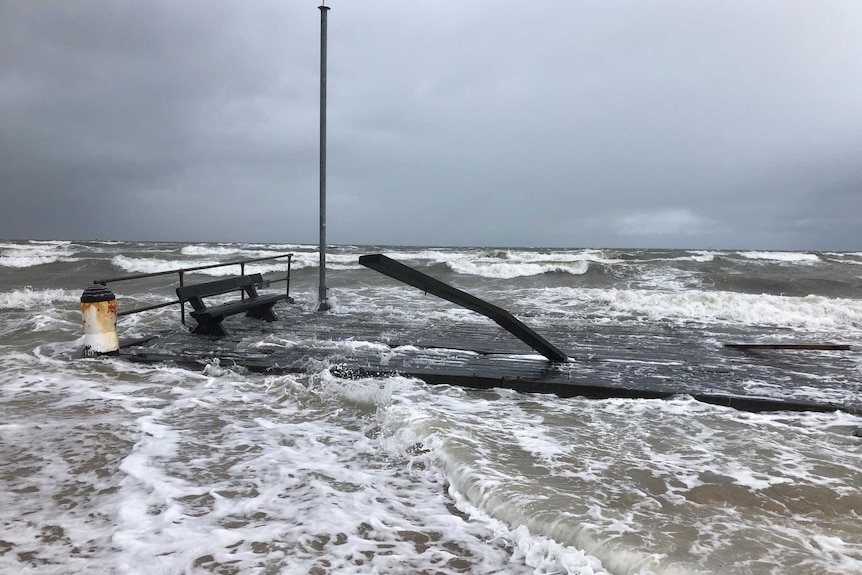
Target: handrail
<point>192,269</point>
<point>182,271</point>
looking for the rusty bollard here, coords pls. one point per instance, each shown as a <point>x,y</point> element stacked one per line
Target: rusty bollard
<point>99,314</point>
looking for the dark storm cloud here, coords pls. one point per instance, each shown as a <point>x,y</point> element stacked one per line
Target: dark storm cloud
<point>722,124</point>
<point>128,118</point>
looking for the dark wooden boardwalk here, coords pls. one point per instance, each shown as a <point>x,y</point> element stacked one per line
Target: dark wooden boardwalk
<point>646,361</point>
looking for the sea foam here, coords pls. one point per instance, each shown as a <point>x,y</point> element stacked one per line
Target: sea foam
<point>25,255</point>
<point>29,298</point>
<point>710,307</point>
<point>785,257</point>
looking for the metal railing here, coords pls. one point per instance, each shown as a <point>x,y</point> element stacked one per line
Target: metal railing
<point>182,271</point>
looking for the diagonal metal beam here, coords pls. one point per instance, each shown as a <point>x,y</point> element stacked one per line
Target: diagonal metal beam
<point>428,284</point>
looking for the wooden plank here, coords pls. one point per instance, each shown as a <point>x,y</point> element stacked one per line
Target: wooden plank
<point>798,346</point>
<point>428,284</point>
<point>246,305</point>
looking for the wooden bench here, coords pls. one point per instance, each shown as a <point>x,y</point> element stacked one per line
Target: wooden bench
<point>209,318</point>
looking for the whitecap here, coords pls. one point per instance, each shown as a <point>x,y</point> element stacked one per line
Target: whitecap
<point>29,298</point>
<point>26,255</point>
<point>784,257</point>
<point>711,307</point>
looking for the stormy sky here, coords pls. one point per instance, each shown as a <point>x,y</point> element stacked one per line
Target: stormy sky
<point>612,123</point>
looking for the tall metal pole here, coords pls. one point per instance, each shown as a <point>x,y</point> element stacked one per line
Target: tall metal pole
<point>321,293</point>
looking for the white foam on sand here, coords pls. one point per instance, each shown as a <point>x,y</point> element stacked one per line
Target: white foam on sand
<point>683,487</point>
<point>136,469</point>
<point>176,472</point>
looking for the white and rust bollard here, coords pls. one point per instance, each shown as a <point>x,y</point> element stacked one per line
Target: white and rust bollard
<point>99,313</point>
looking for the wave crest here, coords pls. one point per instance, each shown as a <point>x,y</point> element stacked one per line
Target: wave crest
<point>810,312</point>
<point>28,298</point>
<point>509,270</point>
<point>783,257</point>
<point>14,255</point>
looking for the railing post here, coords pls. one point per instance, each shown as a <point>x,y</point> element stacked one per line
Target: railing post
<point>99,317</point>
<point>242,273</point>
<point>287,279</point>
<point>182,303</point>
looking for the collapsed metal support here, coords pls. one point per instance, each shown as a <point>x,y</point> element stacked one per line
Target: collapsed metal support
<point>428,284</point>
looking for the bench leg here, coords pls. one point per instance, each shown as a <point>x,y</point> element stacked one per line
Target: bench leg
<point>214,328</point>
<point>263,312</point>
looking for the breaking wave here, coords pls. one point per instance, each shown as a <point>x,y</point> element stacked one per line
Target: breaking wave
<point>26,255</point>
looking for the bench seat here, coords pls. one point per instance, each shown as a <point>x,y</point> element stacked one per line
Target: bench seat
<point>210,318</point>
<point>256,307</point>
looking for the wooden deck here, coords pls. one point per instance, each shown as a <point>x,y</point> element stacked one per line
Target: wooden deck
<point>645,361</point>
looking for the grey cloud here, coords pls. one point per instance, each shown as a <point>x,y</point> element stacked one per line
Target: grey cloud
<point>495,123</point>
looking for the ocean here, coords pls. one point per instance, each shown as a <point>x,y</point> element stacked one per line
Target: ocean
<point>115,467</point>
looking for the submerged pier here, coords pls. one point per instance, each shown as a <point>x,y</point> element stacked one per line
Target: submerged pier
<point>642,362</point>
<point>481,356</point>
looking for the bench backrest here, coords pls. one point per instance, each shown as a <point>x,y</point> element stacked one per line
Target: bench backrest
<point>196,291</point>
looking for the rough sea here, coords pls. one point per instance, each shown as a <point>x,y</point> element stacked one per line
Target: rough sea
<point>114,467</point>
